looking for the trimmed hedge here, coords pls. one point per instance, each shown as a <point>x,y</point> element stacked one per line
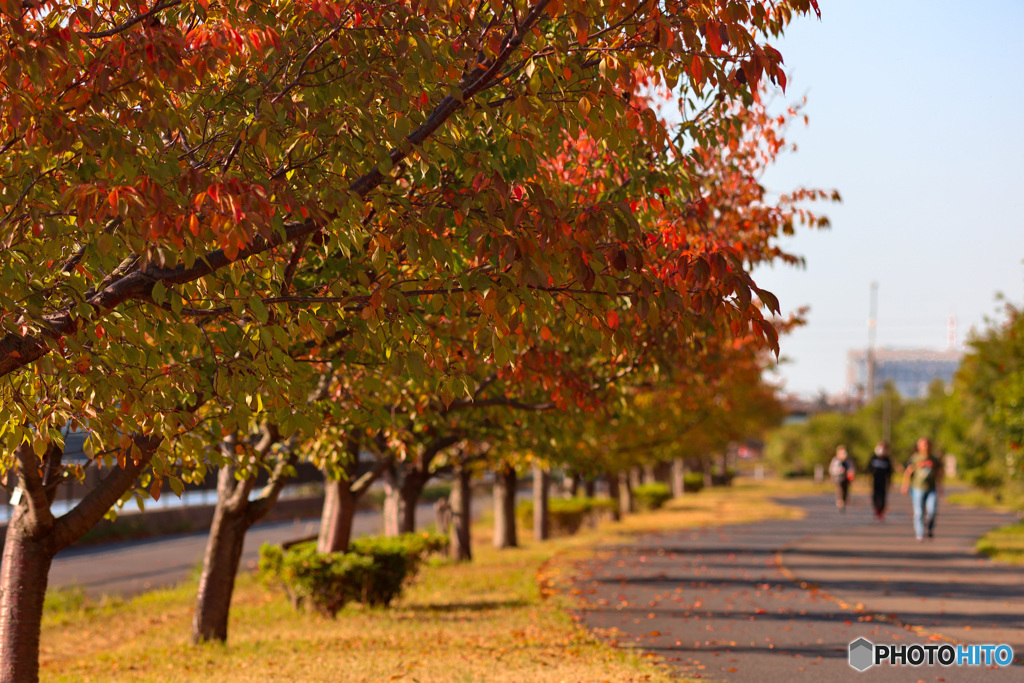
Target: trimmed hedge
<point>373,572</point>
<point>693,482</point>
<point>567,515</point>
<point>723,479</point>
<point>651,496</point>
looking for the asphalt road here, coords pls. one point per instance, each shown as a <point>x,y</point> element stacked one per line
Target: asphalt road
<point>131,567</point>
<point>780,601</point>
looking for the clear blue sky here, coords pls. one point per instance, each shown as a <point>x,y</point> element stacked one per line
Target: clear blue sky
<point>917,117</point>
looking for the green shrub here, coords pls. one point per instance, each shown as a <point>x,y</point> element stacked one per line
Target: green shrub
<point>395,560</point>
<point>567,515</point>
<point>651,496</point>
<point>693,482</point>
<point>373,572</point>
<point>323,582</point>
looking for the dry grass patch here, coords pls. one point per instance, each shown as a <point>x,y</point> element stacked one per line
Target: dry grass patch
<point>484,621</point>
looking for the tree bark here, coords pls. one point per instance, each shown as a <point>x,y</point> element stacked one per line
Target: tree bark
<point>625,493</point>
<point>233,517</point>
<point>404,483</point>
<point>649,477</point>
<point>223,554</point>
<point>461,502</point>
<point>541,519</point>
<point>589,487</point>
<point>337,517</point>
<point>412,489</point>
<point>571,485</point>
<point>634,478</point>
<point>342,498</point>
<point>28,553</point>
<point>34,537</point>
<point>393,503</point>
<point>505,508</point>
<point>678,478</point>
<point>614,492</point>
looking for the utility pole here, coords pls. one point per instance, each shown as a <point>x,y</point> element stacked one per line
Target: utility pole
<point>872,326</point>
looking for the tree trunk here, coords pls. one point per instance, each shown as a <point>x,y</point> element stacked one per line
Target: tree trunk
<point>505,508</point>
<point>34,537</point>
<point>394,511</point>
<point>233,517</point>
<point>589,487</point>
<point>614,492</point>
<point>541,519</point>
<point>678,478</point>
<point>403,486</point>
<point>336,519</point>
<point>23,578</point>
<point>625,493</point>
<point>412,489</point>
<point>571,485</point>
<point>342,498</point>
<point>461,502</point>
<point>634,478</point>
<point>649,477</point>
<point>223,554</point>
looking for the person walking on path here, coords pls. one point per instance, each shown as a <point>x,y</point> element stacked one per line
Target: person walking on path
<point>842,472</point>
<point>923,478</point>
<point>881,472</point>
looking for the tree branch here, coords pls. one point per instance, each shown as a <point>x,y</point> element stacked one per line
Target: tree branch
<point>17,350</point>
<point>95,35</point>
<point>90,510</point>
<point>30,481</point>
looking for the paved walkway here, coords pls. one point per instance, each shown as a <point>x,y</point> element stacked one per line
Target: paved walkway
<point>781,600</point>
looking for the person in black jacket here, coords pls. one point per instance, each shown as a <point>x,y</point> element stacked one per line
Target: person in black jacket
<point>881,472</point>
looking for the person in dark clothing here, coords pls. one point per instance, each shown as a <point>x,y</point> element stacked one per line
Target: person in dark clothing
<point>881,472</point>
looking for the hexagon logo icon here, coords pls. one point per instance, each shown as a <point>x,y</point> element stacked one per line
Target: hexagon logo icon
<point>862,654</point>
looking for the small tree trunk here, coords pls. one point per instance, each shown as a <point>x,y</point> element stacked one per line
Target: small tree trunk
<point>223,554</point>
<point>336,519</point>
<point>394,511</point>
<point>571,485</point>
<point>23,578</point>
<point>625,493</point>
<point>341,498</point>
<point>649,477</point>
<point>505,508</point>
<point>541,529</point>
<point>614,492</point>
<point>589,487</point>
<point>461,502</point>
<point>233,517</point>
<point>412,489</point>
<point>678,477</point>
<point>634,478</point>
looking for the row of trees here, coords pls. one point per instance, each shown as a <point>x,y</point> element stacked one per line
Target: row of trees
<point>237,234</point>
<point>977,417</point>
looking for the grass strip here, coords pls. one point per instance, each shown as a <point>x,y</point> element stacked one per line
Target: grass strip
<point>495,619</point>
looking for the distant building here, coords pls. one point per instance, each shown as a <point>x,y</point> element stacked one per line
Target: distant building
<point>909,370</point>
